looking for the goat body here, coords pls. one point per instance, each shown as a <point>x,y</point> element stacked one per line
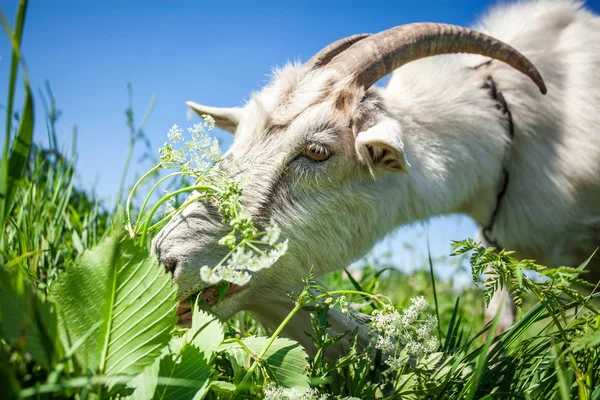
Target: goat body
<point>434,141</point>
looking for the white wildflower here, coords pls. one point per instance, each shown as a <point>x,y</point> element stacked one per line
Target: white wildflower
<point>395,363</point>
<point>385,344</point>
<point>272,233</point>
<point>313,394</point>
<point>412,313</point>
<point>214,150</point>
<point>387,321</point>
<point>198,154</point>
<point>431,344</point>
<point>420,304</point>
<point>169,155</point>
<point>241,264</point>
<point>273,392</point>
<point>209,275</point>
<point>203,150</point>
<point>414,348</point>
<point>269,258</point>
<point>209,121</point>
<point>175,134</point>
<point>241,258</point>
<point>431,323</point>
<point>422,332</point>
<point>238,277</point>
<point>404,333</point>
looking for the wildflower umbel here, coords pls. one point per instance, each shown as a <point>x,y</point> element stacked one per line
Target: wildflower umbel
<point>175,134</point>
<point>273,392</point>
<point>245,258</point>
<point>403,334</point>
<point>198,154</point>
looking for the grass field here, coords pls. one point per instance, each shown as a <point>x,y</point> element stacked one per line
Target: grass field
<point>86,312</point>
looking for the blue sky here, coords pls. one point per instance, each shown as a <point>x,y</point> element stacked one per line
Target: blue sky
<point>213,52</point>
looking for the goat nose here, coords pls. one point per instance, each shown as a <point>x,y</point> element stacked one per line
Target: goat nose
<point>170,264</point>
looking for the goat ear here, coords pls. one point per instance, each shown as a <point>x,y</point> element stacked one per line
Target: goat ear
<point>226,118</point>
<point>381,146</point>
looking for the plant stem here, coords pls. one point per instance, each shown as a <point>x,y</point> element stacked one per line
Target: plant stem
<point>274,336</point>
<point>134,188</point>
<point>124,172</point>
<point>184,205</point>
<point>144,232</point>
<point>152,191</point>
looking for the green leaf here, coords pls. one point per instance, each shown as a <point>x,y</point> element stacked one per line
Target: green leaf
<point>222,387</point>
<point>26,321</point>
<point>205,334</point>
<point>20,149</point>
<point>285,361</point>
<point>145,382</point>
<point>470,388</point>
<point>431,361</point>
<point>585,342</point>
<point>186,375</point>
<point>116,286</point>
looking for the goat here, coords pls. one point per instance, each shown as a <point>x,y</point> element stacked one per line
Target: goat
<point>338,163</point>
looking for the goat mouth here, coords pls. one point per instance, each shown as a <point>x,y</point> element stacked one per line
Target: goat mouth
<point>210,297</point>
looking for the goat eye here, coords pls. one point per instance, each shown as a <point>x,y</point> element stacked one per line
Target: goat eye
<point>317,152</point>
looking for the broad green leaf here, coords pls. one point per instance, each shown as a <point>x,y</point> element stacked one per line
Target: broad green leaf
<point>206,333</point>
<point>405,386</point>
<point>431,361</point>
<point>145,382</point>
<point>186,375</point>
<point>222,387</point>
<point>26,321</point>
<point>286,360</point>
<point>116,286</point>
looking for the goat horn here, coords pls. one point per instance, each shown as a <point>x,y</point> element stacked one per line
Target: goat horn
<point>373,58</point>
<point>327,54</point>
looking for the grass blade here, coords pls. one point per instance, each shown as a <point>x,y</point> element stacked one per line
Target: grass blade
<point>13,161</point>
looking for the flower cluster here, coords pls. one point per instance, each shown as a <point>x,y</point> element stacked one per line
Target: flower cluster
<point>273,392</point>
<point>246,258</point>
<point>341,301</point>
<point>198,154</point>
<point>403,334</point>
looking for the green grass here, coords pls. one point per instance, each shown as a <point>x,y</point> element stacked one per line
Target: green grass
<point>86,313</point>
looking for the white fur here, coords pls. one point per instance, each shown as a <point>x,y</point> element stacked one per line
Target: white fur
<point>447,132</point>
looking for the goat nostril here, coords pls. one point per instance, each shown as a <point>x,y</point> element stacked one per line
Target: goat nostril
<point>170,264</point>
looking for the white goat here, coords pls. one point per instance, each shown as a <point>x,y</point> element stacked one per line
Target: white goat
<point>338,163</point>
